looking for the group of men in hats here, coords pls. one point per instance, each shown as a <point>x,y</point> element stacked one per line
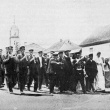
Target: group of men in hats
<point>61,73</point>
<point>66,73</point>
<point>58,70</point>
<point>22,69</point>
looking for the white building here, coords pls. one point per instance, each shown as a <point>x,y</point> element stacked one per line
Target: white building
<point>97,42</point>
<point>14,38</point>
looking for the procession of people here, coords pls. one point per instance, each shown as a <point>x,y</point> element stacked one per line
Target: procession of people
<point>59,70</point>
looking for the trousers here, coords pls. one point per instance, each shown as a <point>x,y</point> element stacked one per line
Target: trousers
<point>33,76</point>
<point>22,78</point>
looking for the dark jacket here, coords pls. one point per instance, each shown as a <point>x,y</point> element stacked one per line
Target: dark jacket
<point>60,66</point>
<point>67,65</point>
<point>10,65</point>
<point>23,63</point>
<point>91,68</point>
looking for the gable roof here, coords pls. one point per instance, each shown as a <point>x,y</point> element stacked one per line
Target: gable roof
<point>100,36</point>
<point>62,46</point>
<point>33,46</point>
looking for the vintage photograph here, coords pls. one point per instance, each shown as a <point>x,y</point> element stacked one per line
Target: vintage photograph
<point>54,54</point>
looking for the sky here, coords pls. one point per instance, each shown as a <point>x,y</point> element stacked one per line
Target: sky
<point>47,21</point>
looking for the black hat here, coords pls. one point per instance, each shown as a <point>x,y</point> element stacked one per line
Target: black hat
<point>22,47</point>
<point>67,51</point>
<point>60,53</point>
<point>40,51</point>
<point>77,53</point>
<point>90,55</point>
<point>45,53</point>
<point>98,52</point>
<point>31,50</point>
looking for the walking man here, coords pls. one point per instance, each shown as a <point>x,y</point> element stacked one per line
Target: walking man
<point>91,71</point>
<point>33,74</point>
<point>10,66</point>
<point>23,63</point>
<point>40,68</point>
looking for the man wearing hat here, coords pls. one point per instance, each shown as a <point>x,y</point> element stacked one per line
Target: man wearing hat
<point>13,59</point>
<point>33,74</point>
<point>91,71</point>
<point>46,66</point>
<point>23,63</point>
<point>68,70</point>
<point>79,72</point>
<point>52,71</point>
<point>9,62</point>
<point>40,68</point>
<point>60,71</point>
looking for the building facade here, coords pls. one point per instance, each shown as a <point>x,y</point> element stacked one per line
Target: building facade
<point>97,42</point>
<point>103,48</point>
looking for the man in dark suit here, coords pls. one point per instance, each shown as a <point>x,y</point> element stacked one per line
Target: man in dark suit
<point>46,66</point>
<point>91,71</point>
<point>60,72</point>
<point>40,68</point>
<point>22,64</point>
<point>52,67</point>
<point>68,70</point>
<point>33,74</point>
<point>10,66</point>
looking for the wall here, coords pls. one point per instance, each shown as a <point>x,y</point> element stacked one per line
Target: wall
<point>103,48</point>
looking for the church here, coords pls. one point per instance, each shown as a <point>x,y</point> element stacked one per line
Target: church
<point>14,39</point>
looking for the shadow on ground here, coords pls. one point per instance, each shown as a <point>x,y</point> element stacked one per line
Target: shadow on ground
<point>30,94</point>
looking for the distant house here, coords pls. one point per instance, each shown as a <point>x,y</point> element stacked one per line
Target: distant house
<point>99,41</point>
<point>62,46</point>
<point>35,47</point>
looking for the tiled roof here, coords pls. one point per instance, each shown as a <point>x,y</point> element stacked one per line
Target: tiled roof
<point>98,37</point>
<point>62,46</point>
<point>33,46</point>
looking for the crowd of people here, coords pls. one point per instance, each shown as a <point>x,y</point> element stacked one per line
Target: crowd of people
<point>59,70</point>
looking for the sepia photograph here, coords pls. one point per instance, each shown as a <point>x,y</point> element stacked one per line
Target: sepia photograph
<point>54,54</point>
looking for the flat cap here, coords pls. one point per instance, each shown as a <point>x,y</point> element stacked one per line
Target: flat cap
<point>98,52</point>
<point>90,55</point>
<point>31,50</point>
<point>40,51</point>
<point>22,47</point>
<point>60,52</point>
<point>67,51</point>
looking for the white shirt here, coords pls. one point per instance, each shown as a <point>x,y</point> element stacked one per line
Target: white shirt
<point>40,59</point>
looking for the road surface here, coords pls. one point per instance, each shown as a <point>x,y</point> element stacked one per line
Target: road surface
<point>42,100</point>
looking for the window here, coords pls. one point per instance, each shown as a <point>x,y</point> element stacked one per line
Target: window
<point>91,50</point>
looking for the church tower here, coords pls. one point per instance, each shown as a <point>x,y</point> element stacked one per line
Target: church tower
<point>14,37</point>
